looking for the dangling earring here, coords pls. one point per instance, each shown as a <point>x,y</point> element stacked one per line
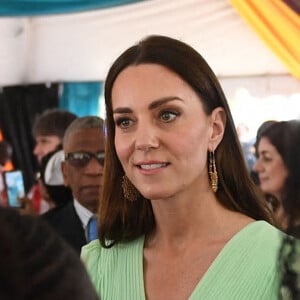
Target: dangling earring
<point>213,174</point>
<point>129,191</point>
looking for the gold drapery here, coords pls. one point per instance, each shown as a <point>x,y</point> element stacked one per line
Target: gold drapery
<point>278,25</point>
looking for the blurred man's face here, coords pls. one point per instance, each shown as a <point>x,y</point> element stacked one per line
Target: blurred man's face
<point>44,145</point>
<point>83,169</point>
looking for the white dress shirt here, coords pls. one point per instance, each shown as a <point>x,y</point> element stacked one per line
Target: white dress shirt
<point>84,215</point>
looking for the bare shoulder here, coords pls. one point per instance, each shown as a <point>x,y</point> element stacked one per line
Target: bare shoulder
<point>233,222</point>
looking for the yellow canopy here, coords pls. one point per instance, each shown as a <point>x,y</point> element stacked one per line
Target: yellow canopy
<point>278,25</point>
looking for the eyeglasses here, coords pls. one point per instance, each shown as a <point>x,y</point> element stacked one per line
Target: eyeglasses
<point>81,159</point>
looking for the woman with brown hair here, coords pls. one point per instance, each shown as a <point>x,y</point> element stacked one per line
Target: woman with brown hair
<point>180,217</point>
<point>278,168</point>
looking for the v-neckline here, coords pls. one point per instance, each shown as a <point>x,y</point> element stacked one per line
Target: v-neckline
<point>233,240</point>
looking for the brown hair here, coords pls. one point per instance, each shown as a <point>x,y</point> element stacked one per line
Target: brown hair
<point>121,220</point>
<point>285,137</point>
<point>37,264</point>
<point>52,121</point>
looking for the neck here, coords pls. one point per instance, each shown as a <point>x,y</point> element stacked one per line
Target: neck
<point>177,222</point>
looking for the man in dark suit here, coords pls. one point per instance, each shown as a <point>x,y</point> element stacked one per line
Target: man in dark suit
<point>82,169</point>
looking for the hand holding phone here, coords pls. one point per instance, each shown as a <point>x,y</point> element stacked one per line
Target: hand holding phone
<point>14,185</point>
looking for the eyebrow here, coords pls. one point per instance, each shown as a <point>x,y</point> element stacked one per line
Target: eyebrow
<point>152,105</point>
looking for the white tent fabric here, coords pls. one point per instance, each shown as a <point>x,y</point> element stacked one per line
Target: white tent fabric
<point>82,46</point>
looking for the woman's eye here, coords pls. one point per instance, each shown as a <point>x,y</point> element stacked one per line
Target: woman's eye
<point>123,123</point>
<point>168,116</point>
<point>266,159</point>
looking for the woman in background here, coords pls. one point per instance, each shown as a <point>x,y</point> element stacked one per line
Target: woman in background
<point>278,168</point>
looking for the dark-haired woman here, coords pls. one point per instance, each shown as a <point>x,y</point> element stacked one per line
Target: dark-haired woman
<point>180,218</point>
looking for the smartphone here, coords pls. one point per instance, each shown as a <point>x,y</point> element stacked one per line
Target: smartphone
<point>14,185</point>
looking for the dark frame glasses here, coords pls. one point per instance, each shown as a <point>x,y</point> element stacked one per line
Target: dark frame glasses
<point>80,159</point>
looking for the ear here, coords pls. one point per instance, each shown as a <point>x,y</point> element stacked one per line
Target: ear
<point>64,173</point>
<point>218,123</point>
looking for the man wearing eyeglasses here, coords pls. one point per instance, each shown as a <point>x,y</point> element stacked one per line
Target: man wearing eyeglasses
<point>82,169</point>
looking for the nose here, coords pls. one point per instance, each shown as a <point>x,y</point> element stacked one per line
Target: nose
<point>257,167</point>
<point>37,151</point>
<point>93,167</point>
<point>146,137</point>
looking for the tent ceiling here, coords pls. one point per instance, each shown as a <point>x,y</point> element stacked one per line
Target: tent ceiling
<point>82,46</point>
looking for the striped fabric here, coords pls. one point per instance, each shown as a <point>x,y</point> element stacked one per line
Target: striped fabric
<point>278,26</point>
<point>245,269</point>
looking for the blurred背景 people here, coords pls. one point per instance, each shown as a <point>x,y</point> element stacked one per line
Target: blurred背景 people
<point>5,156</point>
<point>48,131</point>
<point>278,168</point>
<point>51,180</point>
<point>82,170</point>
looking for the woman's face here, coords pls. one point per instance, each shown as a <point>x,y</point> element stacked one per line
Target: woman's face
<point>270,167</point>
<point>162,132</point>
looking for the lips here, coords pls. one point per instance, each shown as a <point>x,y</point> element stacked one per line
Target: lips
<point>263,178</point>
<point>152,166</point>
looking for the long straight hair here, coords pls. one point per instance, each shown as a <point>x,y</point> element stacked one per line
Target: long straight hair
<point>121,220</point>
<point>285,137</point>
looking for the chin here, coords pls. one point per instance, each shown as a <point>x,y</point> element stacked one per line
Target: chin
<point>156,195</point>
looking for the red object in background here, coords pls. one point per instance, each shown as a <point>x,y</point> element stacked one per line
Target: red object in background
<point>36,198</point>
<point>8,165</point>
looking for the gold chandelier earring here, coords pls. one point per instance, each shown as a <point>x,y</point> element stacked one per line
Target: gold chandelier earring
<point>213,174</point>
<point>129,191</point>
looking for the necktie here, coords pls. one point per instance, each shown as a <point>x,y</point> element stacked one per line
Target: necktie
<point>92,229</point>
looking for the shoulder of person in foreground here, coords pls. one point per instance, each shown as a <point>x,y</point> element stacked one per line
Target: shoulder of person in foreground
<point>99,260</point>
<point>259,240</point>
<point>90,255</point>
<point>35,263</point>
